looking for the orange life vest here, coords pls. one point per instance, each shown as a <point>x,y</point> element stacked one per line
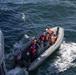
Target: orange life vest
<point>53,39</point>
<point>49,31</point>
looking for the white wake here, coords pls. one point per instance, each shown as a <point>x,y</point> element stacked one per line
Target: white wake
<point>68,55</point>
<point>63,61</point>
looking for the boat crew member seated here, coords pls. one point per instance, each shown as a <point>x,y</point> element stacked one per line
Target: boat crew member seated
<point>19,59</point>
<point>33,47</point>
<point>43,36</point>
<point>42,39</point>
<point>33,50</point>
<point>53,38</point>
<point>49,31</point>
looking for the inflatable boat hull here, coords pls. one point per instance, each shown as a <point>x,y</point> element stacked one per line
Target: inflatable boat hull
<point>50,50</point>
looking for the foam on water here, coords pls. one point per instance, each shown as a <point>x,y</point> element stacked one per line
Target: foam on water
<point>17,45</point>
<point>68,55</point>
<point>63,61</point>
<point>23,16</point>
<point>17,71</point>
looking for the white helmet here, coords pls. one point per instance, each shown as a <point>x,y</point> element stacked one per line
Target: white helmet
<point>46,29</point>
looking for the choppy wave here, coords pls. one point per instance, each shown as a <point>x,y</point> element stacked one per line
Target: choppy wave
<point>53,2</point>
<point>20,1</point>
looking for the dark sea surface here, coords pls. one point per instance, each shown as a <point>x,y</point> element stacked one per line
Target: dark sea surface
<point>21,20</point>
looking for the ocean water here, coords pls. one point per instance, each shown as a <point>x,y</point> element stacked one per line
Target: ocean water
<point>21,20</point>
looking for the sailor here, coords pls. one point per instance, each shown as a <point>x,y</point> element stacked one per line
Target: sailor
<point>43,36</point>
<point>43,39</point>
<point>18,59</point>
<point>49,32</point>
<point>53,38</point>
<point>33,50</point>
<point>33,47</point>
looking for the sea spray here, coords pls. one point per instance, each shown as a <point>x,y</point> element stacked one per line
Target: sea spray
<point>63,61</point>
